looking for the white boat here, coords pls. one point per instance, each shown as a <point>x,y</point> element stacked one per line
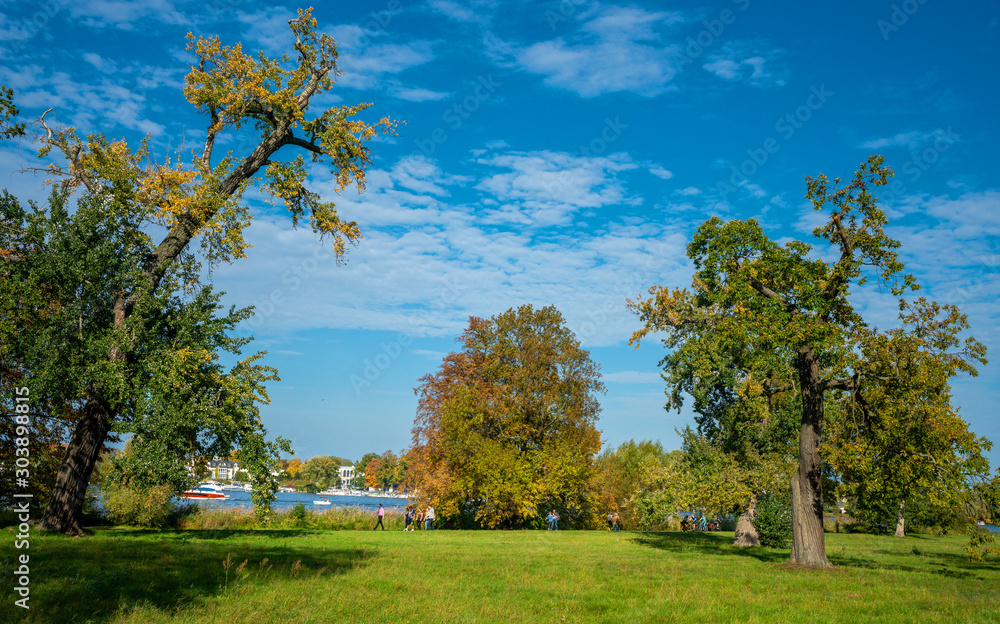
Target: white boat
<point>205,491</point>
<point>322,501</point>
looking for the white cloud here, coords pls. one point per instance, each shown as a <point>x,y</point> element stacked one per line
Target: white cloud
<point>88,107</point>
<point>660,172</point>
<point>474,11</point>
<point>425,265</point>
<point>742,62</point>
<point>414,94</point>
<point>619,50</point>
<point>911,139</point>
<point>546,188</point>
<point>126,14</point>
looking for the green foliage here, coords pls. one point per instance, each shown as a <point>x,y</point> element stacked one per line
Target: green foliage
<point>172,394</point>
<point>142,506</point>
<point>774,519</point>
<point>982,544</point>
<point>900,439</point>
<point>298,515</point>
<point>8,111</point>
<point>619,475</point>
<point>505,431</point>
<point>319,473</point>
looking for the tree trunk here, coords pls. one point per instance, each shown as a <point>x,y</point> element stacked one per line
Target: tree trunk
<point>808,542</point>
<point>746,532</point>
<point>900,520</point>
<point>65,508</point>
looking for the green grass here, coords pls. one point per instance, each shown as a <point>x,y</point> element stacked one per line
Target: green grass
<point>195,576</point>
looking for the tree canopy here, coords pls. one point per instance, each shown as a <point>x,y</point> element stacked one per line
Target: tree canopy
<point>788,314</point>
<point>202,199</point>
<point>504,430</point>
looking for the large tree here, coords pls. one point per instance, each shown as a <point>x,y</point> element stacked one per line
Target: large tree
<point>202,199</point>
<point>784,300</point>
<point>504,430</point>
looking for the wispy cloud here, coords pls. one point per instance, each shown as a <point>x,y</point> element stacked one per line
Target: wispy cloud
<point>912,139</point>
<point>621,49</point>
<point>546,188</point>
<point>126,14</point>
<point>746,63</point>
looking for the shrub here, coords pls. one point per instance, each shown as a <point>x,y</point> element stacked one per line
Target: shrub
<point>298,516</point>
<point>774,520</point>
<point>144,507</point>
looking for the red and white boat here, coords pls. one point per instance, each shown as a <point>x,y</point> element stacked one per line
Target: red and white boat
<point>205,491</point>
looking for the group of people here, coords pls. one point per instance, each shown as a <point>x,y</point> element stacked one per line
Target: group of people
<point>693,523</point>
<point>413,517</point>
<point>614,522</point>
<point>553,519</point>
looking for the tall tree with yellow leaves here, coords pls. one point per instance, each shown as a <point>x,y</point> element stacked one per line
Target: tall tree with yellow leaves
<point>202,199</point>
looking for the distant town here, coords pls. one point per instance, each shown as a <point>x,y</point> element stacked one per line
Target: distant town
<point>321,474</point>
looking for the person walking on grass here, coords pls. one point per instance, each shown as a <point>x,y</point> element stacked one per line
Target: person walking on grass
<point>380,513</point>
<point>408,519</point>
<point>551,519</point>
<point>611,520</point>
<point>616,522</point>
<point>429,519</point>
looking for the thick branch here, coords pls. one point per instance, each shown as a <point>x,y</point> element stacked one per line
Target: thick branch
<point>770,294</point>
<point>312,147</point>
<point>213,129</point>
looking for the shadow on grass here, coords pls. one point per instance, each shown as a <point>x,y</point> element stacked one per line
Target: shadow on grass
<point>950,565</point>
<point>90,579</point>
<point>708,543</point>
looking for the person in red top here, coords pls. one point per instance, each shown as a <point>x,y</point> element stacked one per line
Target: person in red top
<point>380,513</point>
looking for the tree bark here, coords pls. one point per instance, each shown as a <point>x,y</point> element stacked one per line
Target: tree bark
<point>746,532</point>
<point>808,542</point>
<point>65,507</point>
<point>900,520</point>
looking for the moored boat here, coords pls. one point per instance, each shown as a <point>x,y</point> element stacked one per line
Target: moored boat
<point>205,491</point>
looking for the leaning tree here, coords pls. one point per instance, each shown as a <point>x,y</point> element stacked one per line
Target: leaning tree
<point>202,199</point>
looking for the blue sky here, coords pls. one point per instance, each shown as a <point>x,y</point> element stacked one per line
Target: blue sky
<point>553,153</point>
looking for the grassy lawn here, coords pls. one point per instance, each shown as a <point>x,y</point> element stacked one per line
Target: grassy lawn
<point>120,575</point>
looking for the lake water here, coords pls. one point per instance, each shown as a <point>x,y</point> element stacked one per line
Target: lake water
<point>287,500</point>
